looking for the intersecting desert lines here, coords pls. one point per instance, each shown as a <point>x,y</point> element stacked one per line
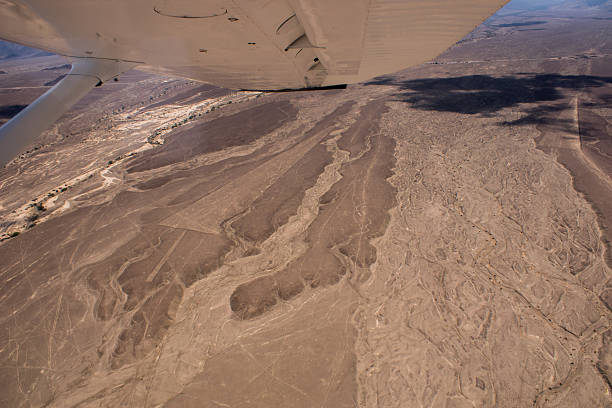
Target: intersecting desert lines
<point>439,237</point>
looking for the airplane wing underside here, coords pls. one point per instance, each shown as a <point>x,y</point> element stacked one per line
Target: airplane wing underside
<point>249,44</point>
<point>240,44</point>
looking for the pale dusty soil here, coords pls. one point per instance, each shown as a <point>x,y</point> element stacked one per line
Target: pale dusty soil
<point>435,238</point>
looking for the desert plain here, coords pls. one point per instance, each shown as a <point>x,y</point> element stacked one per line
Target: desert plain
<point>437,237</point>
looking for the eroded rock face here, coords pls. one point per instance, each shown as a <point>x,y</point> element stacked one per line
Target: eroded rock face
<point>350,214</point>
<point>228,131</point>
<point>281,200</point>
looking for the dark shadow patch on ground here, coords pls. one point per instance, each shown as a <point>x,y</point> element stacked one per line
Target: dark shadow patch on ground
<point>8,111</point>
<point>485,95</point>
<point>543,100</point>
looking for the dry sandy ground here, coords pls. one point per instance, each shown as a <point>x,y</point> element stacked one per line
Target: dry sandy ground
<point>434,238</point>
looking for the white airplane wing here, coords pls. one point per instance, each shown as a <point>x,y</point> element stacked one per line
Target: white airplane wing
<point>240,44</point>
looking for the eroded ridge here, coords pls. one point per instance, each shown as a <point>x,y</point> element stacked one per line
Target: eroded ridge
<point>351,213</point>
<point>236,129</point>
<point>283,197</point>
<point>150,281</point>
<point>147,280</point>
<point>112,278</point>
<point>147,285</point>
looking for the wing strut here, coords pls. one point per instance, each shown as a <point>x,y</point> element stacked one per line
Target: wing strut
<point>27,125</point>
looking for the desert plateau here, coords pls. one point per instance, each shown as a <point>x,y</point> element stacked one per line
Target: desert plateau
<point>437,237</point>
